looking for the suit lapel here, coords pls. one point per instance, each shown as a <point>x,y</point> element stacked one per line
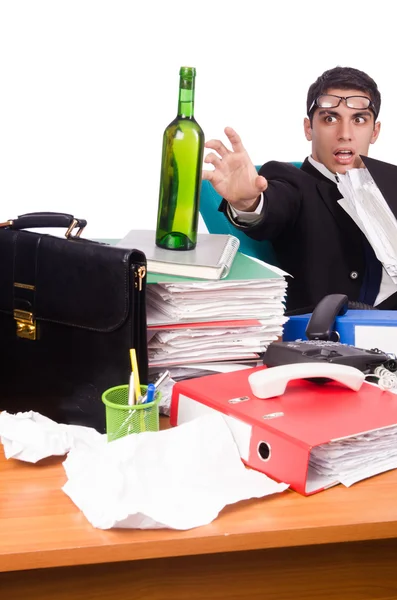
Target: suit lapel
<point>328,191</point>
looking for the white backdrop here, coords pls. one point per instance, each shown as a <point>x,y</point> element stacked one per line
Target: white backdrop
<point>88,86</point>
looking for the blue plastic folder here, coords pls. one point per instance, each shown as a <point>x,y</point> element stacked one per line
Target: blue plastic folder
<point>361,328</point>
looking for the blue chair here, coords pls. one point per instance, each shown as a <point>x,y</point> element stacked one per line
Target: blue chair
<point>216,222</point>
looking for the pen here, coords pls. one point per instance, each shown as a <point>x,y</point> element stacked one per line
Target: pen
<point>149,396</point>
<point>161,379</point>
<point>131,390</point>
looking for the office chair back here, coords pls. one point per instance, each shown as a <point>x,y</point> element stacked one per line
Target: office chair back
<point>216,222</point>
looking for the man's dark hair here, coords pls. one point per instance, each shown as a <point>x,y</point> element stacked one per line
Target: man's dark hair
<point>343,78</point>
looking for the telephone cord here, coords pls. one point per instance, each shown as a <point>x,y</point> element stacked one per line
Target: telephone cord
<point>386,379</point>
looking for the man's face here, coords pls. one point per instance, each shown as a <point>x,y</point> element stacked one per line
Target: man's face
<point>339,135</point>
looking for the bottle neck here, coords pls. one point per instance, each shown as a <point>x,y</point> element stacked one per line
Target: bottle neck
<point>186,98</point>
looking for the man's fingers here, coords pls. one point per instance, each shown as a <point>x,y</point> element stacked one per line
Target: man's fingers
<point>207,174</point>
<point>213,159</point>
<point>261,183</point>
<point>218,146</point>
<point>234,139</point>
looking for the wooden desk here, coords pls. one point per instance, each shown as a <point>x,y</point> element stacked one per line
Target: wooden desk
<point>337,544</point>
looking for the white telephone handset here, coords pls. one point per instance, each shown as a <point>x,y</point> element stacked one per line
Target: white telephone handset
<point>272,382</point>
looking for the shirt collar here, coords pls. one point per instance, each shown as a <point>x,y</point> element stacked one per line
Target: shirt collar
<point>323,169</point>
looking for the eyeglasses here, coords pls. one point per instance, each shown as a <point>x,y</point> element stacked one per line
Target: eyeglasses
<point>331,101</point>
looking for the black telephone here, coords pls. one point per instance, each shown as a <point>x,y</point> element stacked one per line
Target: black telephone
<point>322,344</point>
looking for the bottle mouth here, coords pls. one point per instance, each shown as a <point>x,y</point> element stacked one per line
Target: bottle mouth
<point>187,72</point>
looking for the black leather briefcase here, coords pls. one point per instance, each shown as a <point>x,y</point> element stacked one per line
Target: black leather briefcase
<point>70,310</point>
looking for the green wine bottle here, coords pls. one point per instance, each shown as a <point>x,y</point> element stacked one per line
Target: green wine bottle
<point>180,177</point>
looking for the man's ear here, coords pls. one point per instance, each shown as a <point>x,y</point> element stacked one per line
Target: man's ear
<point>375,132</point>
<point>308,129</point>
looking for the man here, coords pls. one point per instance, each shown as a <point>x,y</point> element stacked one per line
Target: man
<point>297,210</point>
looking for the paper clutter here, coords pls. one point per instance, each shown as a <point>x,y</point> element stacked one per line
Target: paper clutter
<point>29,436</point>
<point>178,478</point>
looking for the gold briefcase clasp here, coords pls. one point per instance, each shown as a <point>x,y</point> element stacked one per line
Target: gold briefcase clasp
<point>26,324</point>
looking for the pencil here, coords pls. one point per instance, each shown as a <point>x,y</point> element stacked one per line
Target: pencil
<point>134,368</point>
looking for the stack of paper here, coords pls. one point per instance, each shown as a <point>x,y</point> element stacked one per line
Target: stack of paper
<point>176,346</point>
<point>233,319</point>
<point>365,204</point>
<point>201,301</point>
<point>355,458</point>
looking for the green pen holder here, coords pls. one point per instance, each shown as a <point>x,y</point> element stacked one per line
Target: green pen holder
<point>122,419</point>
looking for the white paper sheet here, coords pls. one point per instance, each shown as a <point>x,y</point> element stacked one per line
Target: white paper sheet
<point>178,478</point>
<point>29,436</point>
<point>365,204</point>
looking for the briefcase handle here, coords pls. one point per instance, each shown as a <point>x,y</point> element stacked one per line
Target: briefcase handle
<point>47,219</point>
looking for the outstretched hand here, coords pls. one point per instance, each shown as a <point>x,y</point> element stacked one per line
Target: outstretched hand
<point>234,177</point>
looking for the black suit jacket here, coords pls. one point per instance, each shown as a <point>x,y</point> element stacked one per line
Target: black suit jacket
<point>314,238</point>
